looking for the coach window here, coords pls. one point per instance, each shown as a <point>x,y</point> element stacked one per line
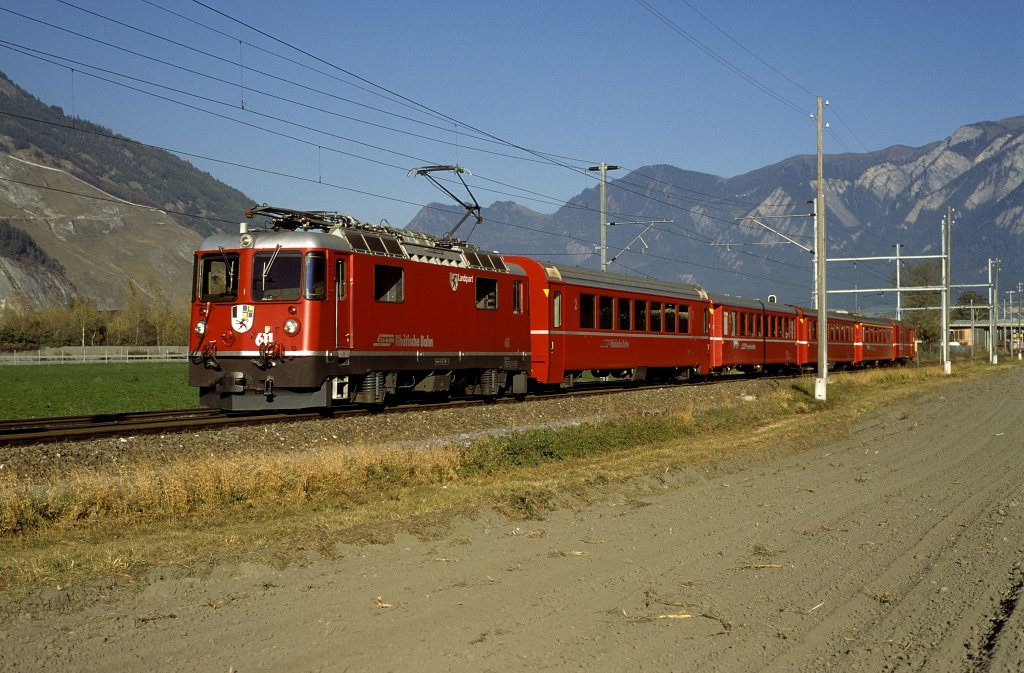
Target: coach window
<point>276,275</point>
<point>670,317</point>
<point>624,307</point>
<point>517,296</point>
<point>389,283</point>
<point>655,316</point>
<point>218,277</point>
<point>684,319</point>
<point>587,311</point>
<point>640,316</point>
<point>556,307</point>
<point>605,314</point>
<point>316,276</point>
<point>487,293</point>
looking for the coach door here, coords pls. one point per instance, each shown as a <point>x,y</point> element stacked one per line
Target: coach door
<point>556,334</point>
<point>714,317</point>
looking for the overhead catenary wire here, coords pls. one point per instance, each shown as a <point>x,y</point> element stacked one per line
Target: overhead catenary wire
<point>699,209</point>
<point>205,53</point>
<point>549,200</point>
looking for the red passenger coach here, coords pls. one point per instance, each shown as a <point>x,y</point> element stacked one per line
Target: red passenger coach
<point>611,325</point>
<point>874,341</point>
<point>904,343</point>
<point>320,309</point>
<point>752,336</point>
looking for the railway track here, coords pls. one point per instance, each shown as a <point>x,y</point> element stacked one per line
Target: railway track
<point>76,428</point>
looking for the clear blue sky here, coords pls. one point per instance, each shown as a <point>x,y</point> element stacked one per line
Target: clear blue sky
<point>722,86</point>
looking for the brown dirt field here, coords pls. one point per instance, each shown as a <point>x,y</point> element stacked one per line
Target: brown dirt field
<point>898,549</point>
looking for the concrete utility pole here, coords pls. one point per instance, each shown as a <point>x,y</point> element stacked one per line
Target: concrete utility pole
<point>1008,316</point>
<point>603,168</point>
<point>993,311</point>
<point>821,382</point>
<point>1020,335</point>
<point>899,301</point>
<point>947,224</point>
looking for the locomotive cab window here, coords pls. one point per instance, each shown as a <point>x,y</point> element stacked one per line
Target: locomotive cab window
<point>389,283</point>
<point>276,275</point>
<point>316,276</point>
<point>217,277</point>
<point>487,294</point>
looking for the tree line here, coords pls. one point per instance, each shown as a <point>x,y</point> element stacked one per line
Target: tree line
<point>928,322</point>
<point>144,321</point>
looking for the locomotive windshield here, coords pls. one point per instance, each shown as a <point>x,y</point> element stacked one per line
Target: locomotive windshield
<point>217,277</point>
<point>276,275</point>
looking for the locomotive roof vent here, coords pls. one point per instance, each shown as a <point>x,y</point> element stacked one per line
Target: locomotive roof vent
<point>379,239</point>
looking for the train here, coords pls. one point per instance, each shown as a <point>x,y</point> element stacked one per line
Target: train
<point>316,309</point>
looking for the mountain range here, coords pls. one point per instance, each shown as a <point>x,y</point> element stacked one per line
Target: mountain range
<point>873,201</point>
<point>86,213</point>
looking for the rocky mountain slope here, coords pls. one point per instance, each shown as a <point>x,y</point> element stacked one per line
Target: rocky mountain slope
<point>100,208</point>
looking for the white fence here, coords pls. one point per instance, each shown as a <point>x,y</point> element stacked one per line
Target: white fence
<point>79,354</point>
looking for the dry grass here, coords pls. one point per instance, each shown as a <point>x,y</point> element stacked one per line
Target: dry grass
<point>276,508</point>
<point>214,485</point>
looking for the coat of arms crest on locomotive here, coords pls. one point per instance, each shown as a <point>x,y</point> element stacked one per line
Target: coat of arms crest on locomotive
<point>241,317</point>
<point>453,280</point>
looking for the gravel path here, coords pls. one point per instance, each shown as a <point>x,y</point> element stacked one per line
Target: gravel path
<point>899,549</point>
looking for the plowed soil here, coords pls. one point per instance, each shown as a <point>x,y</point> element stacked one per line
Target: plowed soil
<point>898,549</point>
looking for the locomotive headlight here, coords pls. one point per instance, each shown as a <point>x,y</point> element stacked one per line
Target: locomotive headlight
<point>291,326</point>
<point>200,328</point>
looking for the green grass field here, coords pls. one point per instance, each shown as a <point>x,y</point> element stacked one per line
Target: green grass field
<point>82,389</point>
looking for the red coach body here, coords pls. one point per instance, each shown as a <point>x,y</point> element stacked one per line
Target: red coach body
<point>613,325</point>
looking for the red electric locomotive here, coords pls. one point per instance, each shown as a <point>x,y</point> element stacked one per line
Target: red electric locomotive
<point>318,309</point>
